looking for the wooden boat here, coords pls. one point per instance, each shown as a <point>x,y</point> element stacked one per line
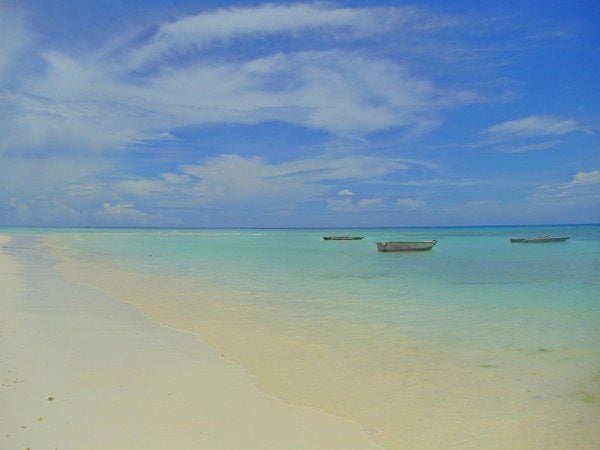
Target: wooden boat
<point>343,238</point>
<point>539,239</point>
<point>404,246</point>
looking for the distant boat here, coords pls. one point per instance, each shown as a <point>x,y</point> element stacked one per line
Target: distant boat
<point>343,238</point>
<point>539,239</point>
<point>404,246</point>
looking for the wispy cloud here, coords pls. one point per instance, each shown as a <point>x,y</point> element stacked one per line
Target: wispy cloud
<point>39,123</point>
<point>516,136</point>
<point>532,126</point>
<point>584,187</point>
<point>229,179</point>
<point>194,33</point>
<point>108,102</point>
<point>344,93</point>
<point>81,126</point>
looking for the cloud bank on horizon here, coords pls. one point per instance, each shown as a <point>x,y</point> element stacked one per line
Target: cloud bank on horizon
<point>297,114</point>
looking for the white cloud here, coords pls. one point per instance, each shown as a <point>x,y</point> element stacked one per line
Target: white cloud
<point>519,135</point>
<point>40,123</point>
<point>532,126</point>
<point>29,176</point>
<point>101,101</point>
<point>125,213</point>
<point>583,189</point>
<point>586,178</point>
<point>166,184</point>
<point>195,32</point>
<point>316,70</point>
<point>409,203</point>
<point>344,93</point>
<point>43,210</point>
<point>51,190</point>
<point>232,178</point>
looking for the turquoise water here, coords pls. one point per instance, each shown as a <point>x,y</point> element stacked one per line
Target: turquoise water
<point>474,289</point>
<point>478,340</point>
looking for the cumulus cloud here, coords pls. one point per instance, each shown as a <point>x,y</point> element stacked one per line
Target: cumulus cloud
<point>584,188</point>
<point>43,210</point>
<point>125,213</point>
<point>586,178</point>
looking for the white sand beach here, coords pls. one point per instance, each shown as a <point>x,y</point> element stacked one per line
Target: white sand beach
<point>80,370</point>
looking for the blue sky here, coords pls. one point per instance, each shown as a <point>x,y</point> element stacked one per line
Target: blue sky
<point>283,114</point>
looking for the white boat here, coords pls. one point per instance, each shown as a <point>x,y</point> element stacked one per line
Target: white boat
<point>405,246</point>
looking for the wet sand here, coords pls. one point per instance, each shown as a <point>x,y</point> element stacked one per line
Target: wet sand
<point>80,370</point>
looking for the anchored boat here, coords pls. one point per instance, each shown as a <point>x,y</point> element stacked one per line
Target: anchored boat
<point>404,246</point>
<point>539,239</point>
<point>343,238</point>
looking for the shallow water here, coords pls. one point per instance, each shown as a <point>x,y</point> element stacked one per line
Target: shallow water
<point>478,342</point>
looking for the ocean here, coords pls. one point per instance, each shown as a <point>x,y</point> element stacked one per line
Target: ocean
<point>476,339</point>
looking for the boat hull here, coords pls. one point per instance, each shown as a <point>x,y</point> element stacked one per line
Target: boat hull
<point>405,246</point>
<point>541,239</point>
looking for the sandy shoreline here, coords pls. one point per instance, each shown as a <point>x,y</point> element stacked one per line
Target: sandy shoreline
<point>80,370</point>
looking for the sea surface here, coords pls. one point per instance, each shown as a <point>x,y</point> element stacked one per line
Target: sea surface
<point>479,341</point>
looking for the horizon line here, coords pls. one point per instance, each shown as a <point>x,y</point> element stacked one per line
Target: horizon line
<point>125,227</point>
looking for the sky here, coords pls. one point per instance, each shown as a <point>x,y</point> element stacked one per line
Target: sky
<point>299,114</point>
